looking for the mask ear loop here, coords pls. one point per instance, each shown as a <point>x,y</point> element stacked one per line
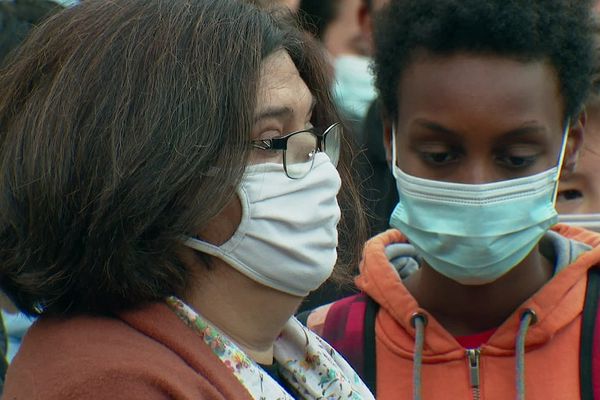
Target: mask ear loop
<point>394,159</point>
<point>561,160</point>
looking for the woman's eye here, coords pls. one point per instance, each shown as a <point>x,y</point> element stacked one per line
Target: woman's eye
<point>260,155</point>
<point>269,134</point>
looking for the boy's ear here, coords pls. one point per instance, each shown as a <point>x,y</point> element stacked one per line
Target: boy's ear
<point>387,140</point>
<point>574,144</point>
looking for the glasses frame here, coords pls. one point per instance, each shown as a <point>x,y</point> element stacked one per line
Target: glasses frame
<point>280,143</point>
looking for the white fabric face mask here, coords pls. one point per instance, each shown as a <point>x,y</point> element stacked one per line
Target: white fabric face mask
<point>287,237</point>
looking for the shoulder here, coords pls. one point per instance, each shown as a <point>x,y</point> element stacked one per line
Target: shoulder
<point>337,315</point>
<point>316,318</point>
<point>98,358</point>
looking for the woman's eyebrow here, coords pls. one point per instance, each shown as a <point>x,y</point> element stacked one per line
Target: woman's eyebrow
<point>281,112</point>
<point>274,112</point>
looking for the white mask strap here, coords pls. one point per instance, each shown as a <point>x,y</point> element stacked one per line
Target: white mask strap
<point>394,159</point>
<point>561,158</point>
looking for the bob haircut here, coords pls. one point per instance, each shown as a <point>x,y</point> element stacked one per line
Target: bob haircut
<point>113,117</point>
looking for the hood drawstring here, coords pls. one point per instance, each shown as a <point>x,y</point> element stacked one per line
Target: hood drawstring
<point>418,321</point>
<point>528,318</point>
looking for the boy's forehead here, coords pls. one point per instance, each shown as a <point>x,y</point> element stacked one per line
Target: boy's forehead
<point>486,85</point>
<point>483,69</point>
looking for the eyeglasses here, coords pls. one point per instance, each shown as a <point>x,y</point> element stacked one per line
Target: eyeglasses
<point>299,148</point>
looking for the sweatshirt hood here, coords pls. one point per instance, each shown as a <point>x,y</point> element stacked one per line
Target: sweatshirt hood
<point>555,305</point>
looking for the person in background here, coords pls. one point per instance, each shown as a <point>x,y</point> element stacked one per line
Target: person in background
<point>579,192</point>
<point>353,82</point>
<point>336,24</point>
<point>378,187</point>
<point>16,20</point>
<point>483,105</point>
<point>154,199</point>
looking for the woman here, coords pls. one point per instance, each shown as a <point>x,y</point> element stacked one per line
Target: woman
<point>169,196</point>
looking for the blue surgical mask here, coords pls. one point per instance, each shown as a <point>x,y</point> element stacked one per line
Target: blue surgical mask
<point>475,233</point>
<point>354,88</point>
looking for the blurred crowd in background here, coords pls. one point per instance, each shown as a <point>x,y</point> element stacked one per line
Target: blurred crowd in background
<point>344,28</point>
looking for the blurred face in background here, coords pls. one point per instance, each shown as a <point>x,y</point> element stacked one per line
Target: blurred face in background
<point>579,191</point>
<point>366,14</point>
<point>343,35</point>
<point>291,4</point>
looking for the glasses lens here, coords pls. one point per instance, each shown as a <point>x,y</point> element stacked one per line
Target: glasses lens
<point>262,156</point>
<point>300,154</point>
<point>333,138</point>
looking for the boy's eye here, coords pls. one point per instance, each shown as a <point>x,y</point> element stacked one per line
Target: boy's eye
<point>437,154</point>
<point>516,162</point>
<point>518,157</point>
<point>439,158</point>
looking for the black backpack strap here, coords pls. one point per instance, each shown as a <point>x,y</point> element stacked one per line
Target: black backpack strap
<point>370,361</point>
<point>588,334</point>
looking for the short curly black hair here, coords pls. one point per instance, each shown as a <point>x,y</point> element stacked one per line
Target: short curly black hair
<point>559,31</point>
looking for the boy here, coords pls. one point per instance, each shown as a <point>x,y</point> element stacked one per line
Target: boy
<point>482,103</point>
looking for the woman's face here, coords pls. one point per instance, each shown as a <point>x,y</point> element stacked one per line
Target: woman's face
<point>284,104</point>
<point>478,119</point>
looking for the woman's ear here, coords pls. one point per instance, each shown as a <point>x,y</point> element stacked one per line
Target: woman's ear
<point>574,144</point>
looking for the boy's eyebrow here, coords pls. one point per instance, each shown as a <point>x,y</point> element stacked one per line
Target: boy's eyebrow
<point>527,128</point>
<point>433,126</point>
<point>281,112</point>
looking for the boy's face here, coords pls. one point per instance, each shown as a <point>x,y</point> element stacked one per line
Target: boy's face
<point>477,119</point>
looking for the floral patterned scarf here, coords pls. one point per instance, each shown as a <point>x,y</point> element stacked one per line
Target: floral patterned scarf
<point>307,363</point>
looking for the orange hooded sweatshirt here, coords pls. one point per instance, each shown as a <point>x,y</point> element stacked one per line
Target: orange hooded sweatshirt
<point>551,356</point>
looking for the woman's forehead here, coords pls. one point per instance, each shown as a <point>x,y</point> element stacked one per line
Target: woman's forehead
<point>282,86</point>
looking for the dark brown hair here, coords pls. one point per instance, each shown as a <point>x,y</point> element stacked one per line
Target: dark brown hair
<point>113,116</point>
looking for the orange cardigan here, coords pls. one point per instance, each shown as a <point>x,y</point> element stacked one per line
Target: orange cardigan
<point>145,354</point>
